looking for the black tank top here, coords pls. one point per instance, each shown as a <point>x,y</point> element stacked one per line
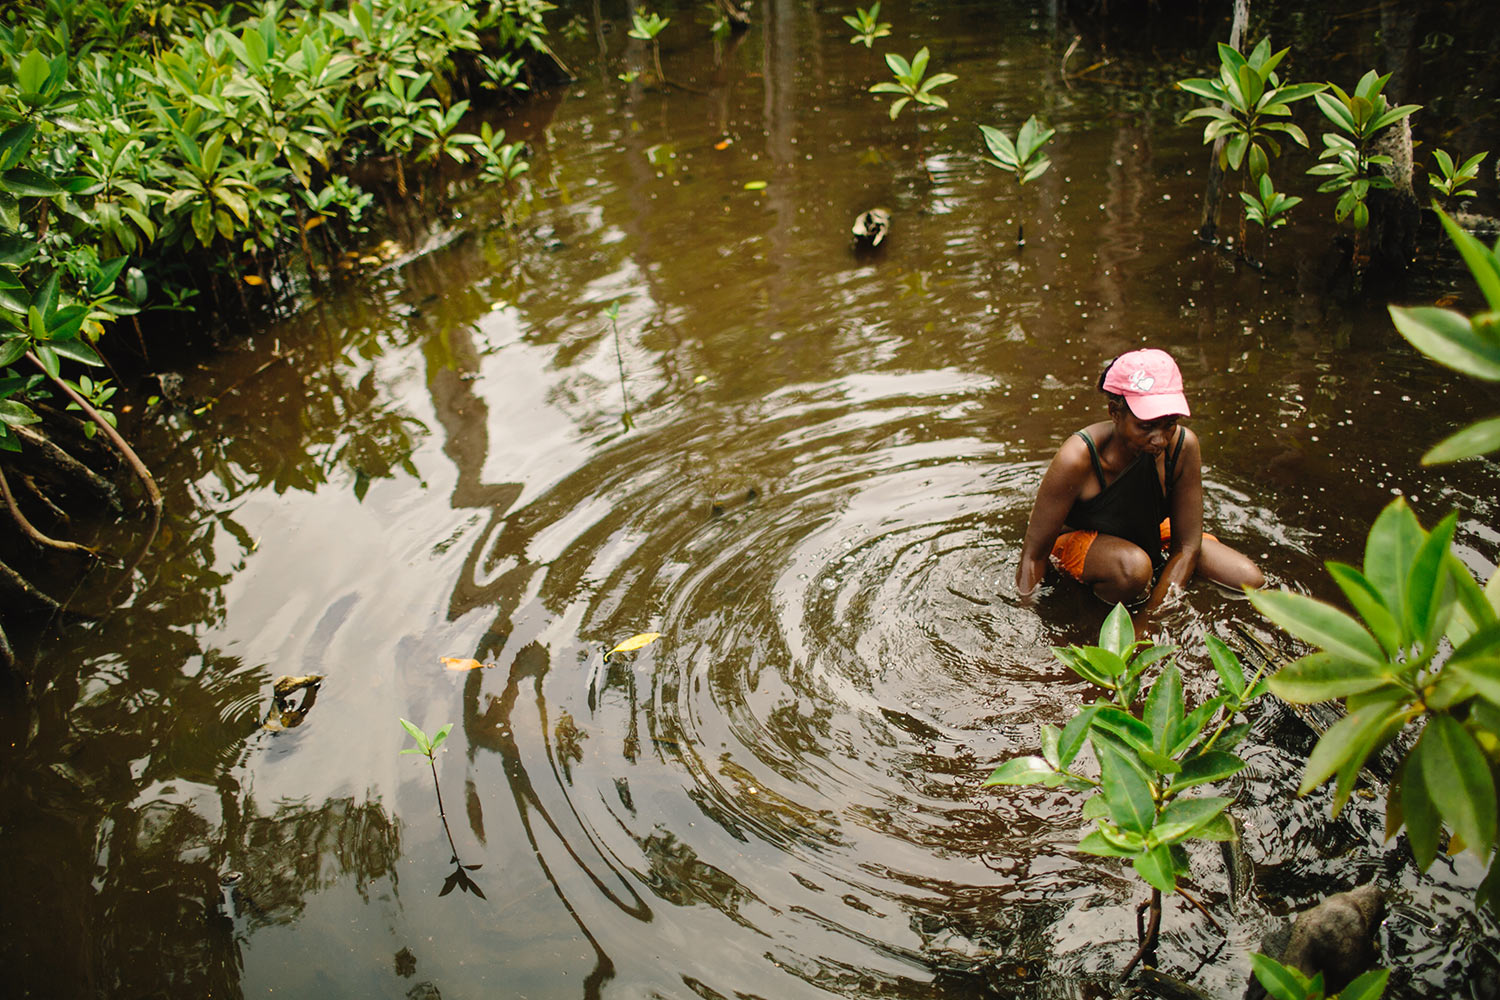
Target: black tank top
<point>1133,506</point>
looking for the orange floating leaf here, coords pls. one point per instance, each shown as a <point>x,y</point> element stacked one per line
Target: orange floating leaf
<point>453,663</point>
<point>722,144</point>
<point>254,279</point>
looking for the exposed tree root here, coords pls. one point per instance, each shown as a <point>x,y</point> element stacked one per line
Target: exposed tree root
<point>7,654</point>
<point>20,583</point>
<point>131,457</point>
<point>1148,935</point>
<point>30,530</point>
<point>46,501</point>
<point>72,467</point>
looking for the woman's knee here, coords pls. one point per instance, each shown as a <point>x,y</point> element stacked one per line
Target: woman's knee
<point>1125,574</point>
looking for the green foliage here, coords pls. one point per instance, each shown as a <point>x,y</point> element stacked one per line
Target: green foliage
<point>1023,157</point>
<point>1282,982</point>
<point>197,141</point>
<point>646,25</point>
<point>1423,645</point>
<point>910,83</point>
<point>1465,344</point>
<point>1248,107</point>
<point>1147,760</point>
<point>1452,181</point>
<point>1267,207</point>
<point>426,746</point>
<point>867,25</point>
<point>1359,117</point>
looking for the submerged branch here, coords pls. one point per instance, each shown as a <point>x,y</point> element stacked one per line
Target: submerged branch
<point>19,582</point>
<point>65,462</point>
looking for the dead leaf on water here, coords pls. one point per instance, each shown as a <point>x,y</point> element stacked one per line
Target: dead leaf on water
<point>635,642</point>
<point>722,144</point>
<point>755,185</point>
<point>254,279</point>
<point>454,663</point>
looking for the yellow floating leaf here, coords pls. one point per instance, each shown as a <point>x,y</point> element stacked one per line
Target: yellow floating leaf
<point>314,223</point>
<point>755,185</point>
<point>453,663</point>
<point>722,144</point>
<point>254,279</point>
<point>635,642</point>
<point>699,380</point>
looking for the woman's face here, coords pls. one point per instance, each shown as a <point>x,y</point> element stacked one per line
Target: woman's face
<point>1151,436</point>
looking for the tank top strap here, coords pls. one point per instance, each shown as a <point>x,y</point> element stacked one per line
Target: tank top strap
<point>1172,458</point>
<point>1093,457</point>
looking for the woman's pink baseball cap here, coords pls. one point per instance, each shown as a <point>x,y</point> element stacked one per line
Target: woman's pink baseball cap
<point>1149,381</point>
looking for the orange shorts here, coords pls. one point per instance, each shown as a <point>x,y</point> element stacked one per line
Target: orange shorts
<point>1072,548</point>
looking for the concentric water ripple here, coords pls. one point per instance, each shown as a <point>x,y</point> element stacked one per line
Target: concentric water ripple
<point>793,769</point>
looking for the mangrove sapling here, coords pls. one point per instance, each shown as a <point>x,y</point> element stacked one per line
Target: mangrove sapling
<point>1452,181</point>
<point>1350,163</point>
<point>1249,108</point>
<point>1423,649</point>
<point>909,82</point>
<point>1146,761</point>
<point>645,26</point>
<point>867,25</point>
<point>1023,158</point>
<point>428,747</point>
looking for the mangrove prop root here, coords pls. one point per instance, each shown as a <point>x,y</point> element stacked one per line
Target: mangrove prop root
<point>131,457</point>
<point>1148,940</point>
<point>30,530</point>
<point>7,654</point>
<point>20,583</point>
<point>64,462</point>
<point>42,498</point>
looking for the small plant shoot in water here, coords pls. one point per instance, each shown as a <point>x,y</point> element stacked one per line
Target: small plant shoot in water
<point>1023,158</point>
<point>645,26</point>
<point>459,878</point>
<point>910,82</point>
<point>1147,760</point>
<point>867,25</point>
<point>1452,181</point>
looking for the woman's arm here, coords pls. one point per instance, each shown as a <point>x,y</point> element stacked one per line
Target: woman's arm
<point>1187,523</point>
<point>1060,485</point>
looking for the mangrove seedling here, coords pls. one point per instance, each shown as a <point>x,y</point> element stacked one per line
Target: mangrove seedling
<point>1249,108</point>
<point>459,878</point>
<point>613,315</point>
<point>1023,158</point>
<point>1267,207</point>
<point>867,25</point>
<point>1146,761</point>
<point>1452,181</point>
<point>1350,167</point>
<point>909,82</point>
<point>646,26</point>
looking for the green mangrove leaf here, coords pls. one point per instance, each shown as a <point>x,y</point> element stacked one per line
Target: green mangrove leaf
<point>1117,633</point>
<point>1050,736</point>
<point>1474,440</point>
<point>1324,676</point>
<point>1281,982</point>
<point>1127,788</point>
<point>1205,767</point>
<point>1182,817</point>
<point>1369,604</point>
<point>1369,986</point>
<point>1318,623</point>
<point>1449,338</point>
<point>1226,664</point>
<point>1074,733</point>
<point>1390,547</point>
<point>1156,867</point>
<point>1164,709</point>
<point>1094,843</point>
<point>1345,737</point>
<point>1427,603</point>
<point>1024,771</point>
<point>1458,780</point>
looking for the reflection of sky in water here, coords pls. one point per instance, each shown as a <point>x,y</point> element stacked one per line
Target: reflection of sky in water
<point>819,505</point>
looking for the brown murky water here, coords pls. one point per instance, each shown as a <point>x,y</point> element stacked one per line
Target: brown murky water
<point>810,472</point>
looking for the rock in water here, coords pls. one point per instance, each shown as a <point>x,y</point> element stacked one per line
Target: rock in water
<point>1337,937</point>
<point>870,227</point>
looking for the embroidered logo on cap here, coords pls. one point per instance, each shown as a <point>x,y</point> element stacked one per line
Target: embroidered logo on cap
<point>1141,382</point>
